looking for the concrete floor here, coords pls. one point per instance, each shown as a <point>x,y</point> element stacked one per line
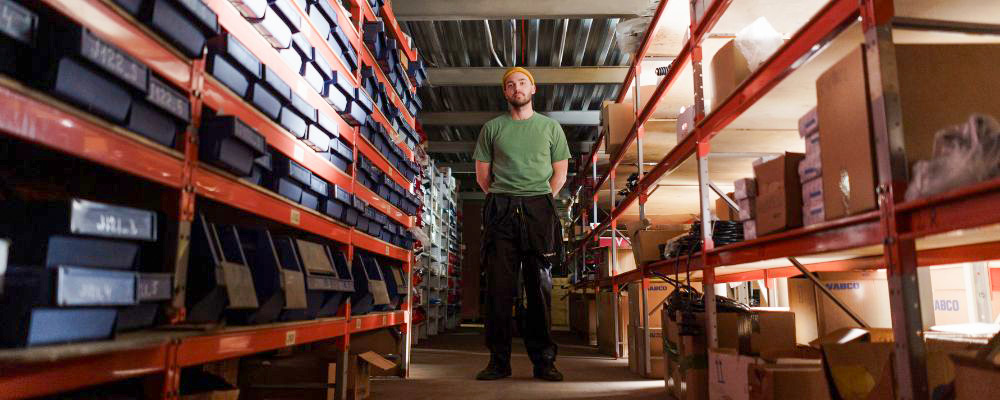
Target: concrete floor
<point>445,366</point>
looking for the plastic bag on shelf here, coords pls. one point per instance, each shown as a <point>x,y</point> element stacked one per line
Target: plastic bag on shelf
<point>963,154</point>
<point>758,41</point>
<point>629,33</point>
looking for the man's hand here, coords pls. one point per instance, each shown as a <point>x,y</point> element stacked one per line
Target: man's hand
<point>558,176</point>
<point>483,175</point>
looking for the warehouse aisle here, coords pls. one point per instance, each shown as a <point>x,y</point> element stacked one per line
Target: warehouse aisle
<point>444,367</point>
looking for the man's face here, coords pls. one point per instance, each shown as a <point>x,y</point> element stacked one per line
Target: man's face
<point>518,89</point>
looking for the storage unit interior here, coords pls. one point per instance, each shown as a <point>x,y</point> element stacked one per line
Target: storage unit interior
<point>294,209</point>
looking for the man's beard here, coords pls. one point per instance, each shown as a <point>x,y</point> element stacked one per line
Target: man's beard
<point>514,102</point>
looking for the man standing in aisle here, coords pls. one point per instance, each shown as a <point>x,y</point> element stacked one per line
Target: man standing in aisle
<point>521,161</point>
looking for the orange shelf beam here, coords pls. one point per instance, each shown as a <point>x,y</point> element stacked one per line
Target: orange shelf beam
<point>366,10</point>
<point>224,101</point>
<point>366,148</point>
<point>369,59</point>
<point>317,41</point>
<point>382,205</point>
<point>379,247</point>
<point>204,349</point>
<point>246,197</point>
<point>369,322</point>
<point>48,378</point>
<point>235,24</point>
<point>108,24</point>
<point>37,119</point>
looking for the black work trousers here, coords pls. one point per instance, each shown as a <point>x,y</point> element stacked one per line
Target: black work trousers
<point>522,237</point>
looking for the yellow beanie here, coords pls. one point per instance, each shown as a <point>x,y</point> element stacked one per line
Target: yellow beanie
<point>516,69</point>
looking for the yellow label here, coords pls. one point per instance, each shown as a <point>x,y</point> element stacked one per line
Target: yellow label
<point>295,217</point>
<point>290,338</point>
<point>357,324</point>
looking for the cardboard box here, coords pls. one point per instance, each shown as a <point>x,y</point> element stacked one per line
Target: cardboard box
<point>812,191</point>
<point>779,198</point>
<point>813,145</point>
<point>583,316</point>
<point>809,124</point>
<point>865,292</point>
<point>729,69</point>
<point>646,243</point>
<point>811,167</point>
<point>637,360</point>
<point>727,373</point>
<point>606,326</point>
<point>382,342</point>
<point>232,394</point>
<point>617,120</point>
<point>626,262</point>
<point>300,369</point>
<point>560,302</point>
<point>688,361</point>
<point>813,213</point>
<point>665,109</point>
<point>928,105</point>
<point>787,382</point>
<point>845,137</point>
<point>857,370</point>
<point>974,378</point>
<point>722,210</point>
<point>744,188</point>
<point>749,230</point>
<point>748,207</point>
<point>656,294</point>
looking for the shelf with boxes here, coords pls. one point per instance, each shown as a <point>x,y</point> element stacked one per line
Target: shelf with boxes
<point>144,353</point>
<point>247,161</point>
<point>843,57</point>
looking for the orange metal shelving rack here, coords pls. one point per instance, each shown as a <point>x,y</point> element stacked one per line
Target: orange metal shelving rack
<point>158,355</point>
<point>894,227</point>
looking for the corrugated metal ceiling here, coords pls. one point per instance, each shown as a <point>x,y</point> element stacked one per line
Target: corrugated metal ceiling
<point>536,42</point>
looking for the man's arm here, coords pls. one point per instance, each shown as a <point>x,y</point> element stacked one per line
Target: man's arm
<point>483,175</point>
<point>558,176</point>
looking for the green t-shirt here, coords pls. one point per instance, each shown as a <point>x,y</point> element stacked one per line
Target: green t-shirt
<point>521,153</point>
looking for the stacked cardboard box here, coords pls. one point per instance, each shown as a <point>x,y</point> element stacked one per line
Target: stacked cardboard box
<point>810,173</point>
<point>617,120</point>
<point>656,295</point>
<point>722,210</point>
<point>583,316</point>
<point>746,199</point>
<point>865,292</point>
<point>646,243</point>
<point>779,194</point>
<point>928,104</point>
<point>692,368</point>
<point>607,323</point>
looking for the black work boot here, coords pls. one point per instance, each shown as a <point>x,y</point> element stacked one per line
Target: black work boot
<point>495,370</point>
<point>548,372</point>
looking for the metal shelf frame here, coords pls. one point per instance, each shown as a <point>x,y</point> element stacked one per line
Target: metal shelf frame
<point>34,117</point>
<point>894,226</point>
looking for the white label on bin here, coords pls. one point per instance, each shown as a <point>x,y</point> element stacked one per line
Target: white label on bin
<point>295,217</point>
<point>387,249</point>
<point>290,338</point>
<point>298,153</point>
<point>357,324</point>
